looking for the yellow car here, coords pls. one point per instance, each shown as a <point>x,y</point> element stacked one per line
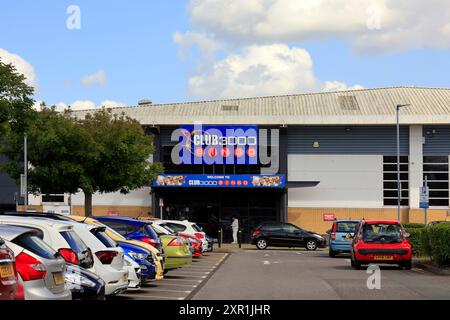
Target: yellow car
<point>159,263</point>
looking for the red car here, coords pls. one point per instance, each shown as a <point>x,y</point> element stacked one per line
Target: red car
<point>8,273</point>
<point>381,242</point>
<point>197,244</point>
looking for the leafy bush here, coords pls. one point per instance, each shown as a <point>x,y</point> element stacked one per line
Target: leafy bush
<point>416,240</point>
<point>439,243</point>
<point>413,225</point>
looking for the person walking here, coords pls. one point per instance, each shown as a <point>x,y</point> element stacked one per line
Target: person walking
<point>235,228</point>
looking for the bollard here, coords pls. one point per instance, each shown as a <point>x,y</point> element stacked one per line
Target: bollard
<point>219,240</point>
<point>240,238</point>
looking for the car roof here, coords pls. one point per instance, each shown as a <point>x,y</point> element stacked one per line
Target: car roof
<point>386,221</point>
<point>9,233</point>
<point>122,219</point>
<point>47,222</point>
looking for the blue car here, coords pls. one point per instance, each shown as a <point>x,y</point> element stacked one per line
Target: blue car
<point>341,236</point>
<point>143,258</point>
<point>133,229</point>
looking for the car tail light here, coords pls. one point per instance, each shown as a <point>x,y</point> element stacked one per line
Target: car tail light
<point>199,235</point>
<point>150,241</point>
<point>106,257</point>
<point>19,294</point>
<point>30,268</point>
<point>333,236</point>
<point>256,232</point>
<point>69,255</point>
<point>176,242</point>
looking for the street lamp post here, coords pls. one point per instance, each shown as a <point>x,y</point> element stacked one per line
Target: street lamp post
<point>399,186</point>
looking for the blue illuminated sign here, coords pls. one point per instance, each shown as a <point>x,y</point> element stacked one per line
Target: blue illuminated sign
<point>218,144</point>
<point>220,181</point>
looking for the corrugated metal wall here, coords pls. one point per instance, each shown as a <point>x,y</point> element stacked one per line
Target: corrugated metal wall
<point>347,140</point>
<point>166,133</point>
<point>437,143</point>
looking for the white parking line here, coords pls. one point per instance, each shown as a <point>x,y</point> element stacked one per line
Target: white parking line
<point>168,290</point>
<point>190,280</point>
<point>266,262</point>
<point>174,285</point>
<point>157,297</point>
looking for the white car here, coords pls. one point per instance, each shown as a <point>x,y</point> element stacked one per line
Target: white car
<point>40,270</point>
<point>65,236</point>
<point>59,235</point>
<point>187,227</point>
<point>134,273</point>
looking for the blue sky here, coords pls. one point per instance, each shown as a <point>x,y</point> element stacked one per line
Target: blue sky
<point>133,43</point>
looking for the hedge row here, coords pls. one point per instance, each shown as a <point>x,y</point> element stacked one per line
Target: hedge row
<point>432,241</point>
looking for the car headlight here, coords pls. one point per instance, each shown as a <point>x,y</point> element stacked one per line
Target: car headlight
<point>137,256</point>
<point>74,280</point>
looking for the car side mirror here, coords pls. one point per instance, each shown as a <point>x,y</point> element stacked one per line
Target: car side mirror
<point>407,235</point>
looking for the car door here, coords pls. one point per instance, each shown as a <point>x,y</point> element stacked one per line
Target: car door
<point>274,234</point>
<point>293,235</point>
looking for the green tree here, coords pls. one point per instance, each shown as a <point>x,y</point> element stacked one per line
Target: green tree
<point>16,100</point>
<point>118,160</point>
<point>102,152</point>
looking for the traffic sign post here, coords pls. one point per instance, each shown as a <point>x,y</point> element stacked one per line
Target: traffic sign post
<point>424,201</point>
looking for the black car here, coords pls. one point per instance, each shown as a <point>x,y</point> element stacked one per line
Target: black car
<point>84,284</point>
<point>279,234</point>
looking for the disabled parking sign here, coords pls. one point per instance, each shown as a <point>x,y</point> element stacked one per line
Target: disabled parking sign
<point>424,197</point>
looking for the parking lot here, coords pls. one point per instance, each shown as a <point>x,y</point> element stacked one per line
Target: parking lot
<point>179,284</point>
<point>275,274</point>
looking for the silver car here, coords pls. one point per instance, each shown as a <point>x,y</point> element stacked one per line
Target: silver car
<point>40,268</point>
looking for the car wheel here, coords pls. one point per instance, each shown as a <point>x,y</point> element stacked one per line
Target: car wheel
<point>311,245</point>
<point>261,244</point>
<point>355,264</point>
<point>332,253</point>
<point>407,265</point>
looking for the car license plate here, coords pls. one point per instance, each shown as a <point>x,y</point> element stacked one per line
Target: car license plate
<point>58,278</point>
<point>383,257</point>
<point>6,270</point>
<point>348,238</point>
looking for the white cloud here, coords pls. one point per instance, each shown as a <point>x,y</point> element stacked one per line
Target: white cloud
<point>371,25</point>
<point>112,104</point>
<point>258,71</point>
<point>207,45</point>
<point>22,66</point>
<point>81,105</point>
<point>96,79</point>
<point>339,86</point>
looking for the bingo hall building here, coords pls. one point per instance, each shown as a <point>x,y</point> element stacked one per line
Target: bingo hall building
<point>301,158</point>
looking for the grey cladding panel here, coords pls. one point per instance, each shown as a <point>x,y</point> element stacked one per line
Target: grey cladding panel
<point>347,140</point>
<point>437,140</point>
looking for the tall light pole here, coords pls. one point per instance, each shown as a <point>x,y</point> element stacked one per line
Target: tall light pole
<point>25,169</point>
<point>399,186</point>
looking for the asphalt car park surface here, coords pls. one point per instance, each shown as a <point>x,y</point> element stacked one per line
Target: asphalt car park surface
<point>299,274</point>
<point>179,284</point>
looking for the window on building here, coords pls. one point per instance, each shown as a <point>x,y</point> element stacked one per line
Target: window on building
<point>435,169</point>
<point>53,198</point>
<point>390,191</point>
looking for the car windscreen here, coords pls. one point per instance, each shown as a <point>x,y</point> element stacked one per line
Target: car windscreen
<point>151,232</point>
<point>382,233</point>
<point>34,244</point>
<point>74,241</point>
<point>346,226</point>
<point>197,228</point>
<point>175,226</point>
<point>103,237</point>
<point>161,230</point>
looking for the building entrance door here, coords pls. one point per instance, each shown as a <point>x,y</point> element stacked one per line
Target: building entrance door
<point>213,209</point>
